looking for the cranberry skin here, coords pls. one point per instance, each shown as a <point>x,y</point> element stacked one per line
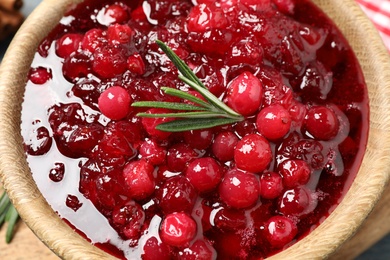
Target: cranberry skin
<point>177,229</point>
<point>139,179</point>
<point>294,172</point>
<point>152,152</point>
<point>135,64</point>
<point>40,141</point>
<point>117,13</point>
<point>239,189</point>
<point>198,139</point>
<point>56,173</point>
<point>253,153</point>
<point>322,123</point>
<point>73,202</point>
<point>204,17</point>
<point>223,146</point>
<point>68,44</point>
<point>83,139</point>
<point>279,231</point>
<point>247,51</point>
<point>294,201</point>
<point>177,194</point>
<point>109,61</point>
<point>150,124</point>
<point>129,219</point>
<point>115,102</point>
<point>273,122</point>
<point>40,75</point>
<point>179,156</point>
<point>204,173</point>
<point>93,39</point>
<point>244,94</point>
<point>230,219</point>
<point>199,250</point>
<point>155,250</point>
<point>285,6</point>
<point>271,185</point>
<point>119,33</point>
<point>76,66</point>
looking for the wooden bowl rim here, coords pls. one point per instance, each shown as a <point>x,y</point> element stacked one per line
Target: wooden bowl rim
<point>320,243</point>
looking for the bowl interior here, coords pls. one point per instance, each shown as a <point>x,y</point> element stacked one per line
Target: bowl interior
<point>323,241</point>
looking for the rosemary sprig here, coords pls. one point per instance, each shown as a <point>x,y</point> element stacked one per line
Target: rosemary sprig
<point>8,214</point>
<point>203,114</point>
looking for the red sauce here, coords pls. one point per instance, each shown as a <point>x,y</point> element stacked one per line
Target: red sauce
<point>240,191</point>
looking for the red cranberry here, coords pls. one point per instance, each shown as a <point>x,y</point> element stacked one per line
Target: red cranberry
<point>73,202</point>
<point>152,152</point>
<point>322,123</point>
<point>271,185</point>
<point>280,231</point>
<point>245,127</point>
<point>247,51</point>
<point>273,122</point>
<point>239,189</point>
<point>294,172</point>
<point>56,173</point>
<point>245,94</point>
<point>40,75</point>
<point>199,250</point>
<point>109,191</point>
<point>68,44</point>
<point>294,201</point>
<point>177,229</point>
<point>179,156</point>
<point>83,139</point>
<point>39,142</point>
<point>139,178</point>
<point>76,66</point>
<point>119,33</point>
<point>204,173</point>
<point>135,64</point>
<point>253,153</point>
<point>150,123</point>
<point>214,41</point>
<point>115,102</point>
<point>257,5</point>
<point>93,39</point>
<point>224,145</point>
<point>154,250</point>
<point>285,6</point>
<point>117,13</point>
<point>204,17</point>
<point>198,139</point>
<point>109,61</point>
<point>177,194</point>
<point>230,219</point>
<point>129,219</point>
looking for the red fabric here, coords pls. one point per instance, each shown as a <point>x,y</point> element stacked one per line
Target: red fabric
<point>379,13</point>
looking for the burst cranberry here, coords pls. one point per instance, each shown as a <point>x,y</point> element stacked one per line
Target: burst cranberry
<point>271,185</point>
<point>177,194</point>
<point>245,127</point>
<point>253,153</point>
<point>40,75</point>
<point>84,138</point>
<point>177,229</point>
<point>224,145</point>
<point>68,44</point>
<point>39,141</point>
<point>136,64</point>
<point>93,39</point>
<point>247,51</point>
<point>139,178</point>
<point>273,122</point>
<point>294,201</point>
<point>198,139</point>
<point>57,173</point>
<point>115,102</point>
<point>204,173</point>
<point>73,202</point>
<point>204,17</point>
<point>280,231</point>
<point>152,152</point>
<point>199,250</point>
<point>214,41</point>
<point>285,6</point>
<point>76,66</point>
<point>239,189</point>
<point>179,156</point>
<point>322,123</point>
<point>129,219</point>
<point>119,33</point>
<point>294,172</point>
<point>109,61</point>
<point>117,13</point>
<point>230,219</point>
<point>245,94</point>
<point>155,250</point>
<point>150,123</point>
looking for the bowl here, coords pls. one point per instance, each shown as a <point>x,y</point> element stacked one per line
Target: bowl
<point>320,243</point>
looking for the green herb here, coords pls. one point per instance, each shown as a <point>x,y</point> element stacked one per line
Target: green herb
<point>201,115</point>
<point>8,214</point>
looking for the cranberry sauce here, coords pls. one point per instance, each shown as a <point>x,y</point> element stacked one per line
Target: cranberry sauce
<point>240,191</point>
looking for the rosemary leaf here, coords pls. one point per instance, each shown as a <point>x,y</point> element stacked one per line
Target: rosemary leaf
<point>197,114</point>
<point>12,217</point>
<point>193,124</point>
<point>185,95</point>
<point>168,105</point>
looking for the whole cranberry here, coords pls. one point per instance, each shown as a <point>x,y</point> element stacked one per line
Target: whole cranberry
<point>135,64</point>
<point>253,153</point>
<point>115,102</point>
<point>117,13</point>
<point>119,33</point>
<point>204,17</point>
<point>152,152</point>
<point>177,194</point>
<point>94,39</point>
<point>155,250</point>
<point>150,123</point>
<point>204,173</point>
<point>129,219</point>
<point>177,229</point>
<point>179,156</point>
<point>322,123</point>
<point>294,201</point>
<point>273,122</point>
<point>279,231</point>
<point>271,185</point>
<point>239,189</point>
<point>40,75</point>
<point>68,44</point>
<point>109,61</point>
<point>294,172</point>
<point>224,145</point>
<point>245,93</point>
<point>139,179</point>
<point>198,139</point>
